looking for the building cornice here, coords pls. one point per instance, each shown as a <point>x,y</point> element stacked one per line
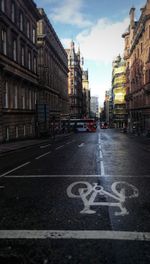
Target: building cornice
<point>15,69</point>
<point>139,31</point>
<point>51,29</point>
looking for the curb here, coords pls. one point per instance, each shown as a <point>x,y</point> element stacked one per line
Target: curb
<point>51,140</point>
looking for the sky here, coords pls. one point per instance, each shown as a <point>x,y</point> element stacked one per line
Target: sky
<point>96,26</point>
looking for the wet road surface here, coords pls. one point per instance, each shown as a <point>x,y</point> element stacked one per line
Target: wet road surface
<point>81,200</point>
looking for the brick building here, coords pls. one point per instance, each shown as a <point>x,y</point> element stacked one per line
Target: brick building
<point>137,56</point>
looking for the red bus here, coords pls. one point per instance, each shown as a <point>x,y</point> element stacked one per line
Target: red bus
<point>80,125</point>
<point>91,125</point>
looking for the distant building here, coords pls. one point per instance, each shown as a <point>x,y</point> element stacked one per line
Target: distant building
<point>94,109</point>
<point>119,92</point>
<point>86,94</point>
<point>108,107</point>
<point>102,114</point>
<point>75,83</point>
<point>18,69</point>
<point>53,76</point>
<point>137,57</point>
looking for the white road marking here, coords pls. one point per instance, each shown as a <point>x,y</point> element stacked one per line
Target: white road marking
<point>81,145</point>
<point>78,176</point>
<point>68,142</point>
<point>43,155</point>
<point>99,138</point>
<point>15,168</point>
<point>59,147</point>
<point>75,234</point>
<point>102,168</point>
<point>89,193</point>
<point>45,146</point>
<point>101,154</point>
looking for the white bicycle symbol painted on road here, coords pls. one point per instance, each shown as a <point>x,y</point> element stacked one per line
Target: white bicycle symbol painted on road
<point>90,192</point>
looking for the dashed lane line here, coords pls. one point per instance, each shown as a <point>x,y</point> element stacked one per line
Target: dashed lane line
<point>45,146</point>
<point>22,165</point>
<point>71,141</point>
<point>75,234</point>
<point>81,145</point>
<point>101,154</point>
<point>102,169</point>
<point>68,143</point>
<point>39,157</point>
<point>50,151</point>
<point>59,147</point>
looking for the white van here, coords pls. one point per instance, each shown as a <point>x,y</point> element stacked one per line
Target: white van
<point>81,127</point>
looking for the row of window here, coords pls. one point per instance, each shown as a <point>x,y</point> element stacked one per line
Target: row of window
<point>147,76</point>
<point>26,58</point>
<point>23,23</point>
<point>139,101</point>
<point>19,98</point>
<point>15,97</point>
<point>18,131</point>
<point>139,50</point>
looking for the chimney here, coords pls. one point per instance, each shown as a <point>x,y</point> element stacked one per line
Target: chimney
<point>132,13</point>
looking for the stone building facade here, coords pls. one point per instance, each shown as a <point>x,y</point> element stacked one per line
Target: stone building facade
<point>137,56</point>
<point>75,83</point>
<point>53,76</point>
<point>94,107</point>
<point>18,69</point>
<point>86,94</point>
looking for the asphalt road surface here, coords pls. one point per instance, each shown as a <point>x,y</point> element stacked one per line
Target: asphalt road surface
<point>81,200</point>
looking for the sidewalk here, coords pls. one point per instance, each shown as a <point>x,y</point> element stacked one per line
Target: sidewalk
<point>11,146</point>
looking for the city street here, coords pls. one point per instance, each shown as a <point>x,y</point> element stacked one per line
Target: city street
<point>83,199</point>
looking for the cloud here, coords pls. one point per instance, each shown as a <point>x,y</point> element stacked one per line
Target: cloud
<point>103,41</point>
<point>68,12</point>
<point>46,2</point>
<point>66,42</point>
